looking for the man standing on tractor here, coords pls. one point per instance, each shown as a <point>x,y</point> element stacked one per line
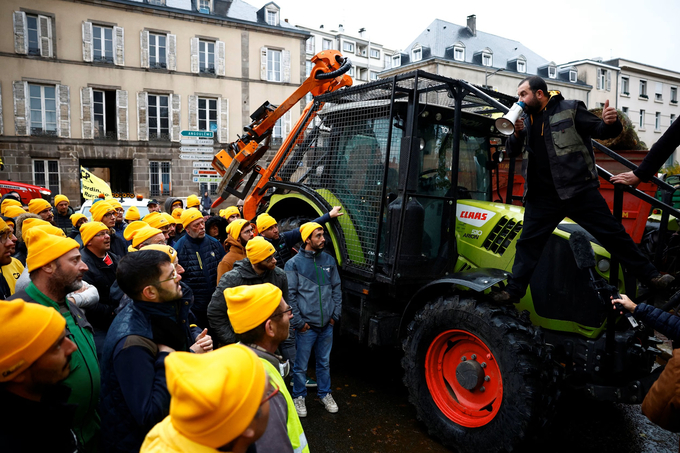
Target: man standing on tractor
<point>562,181</point>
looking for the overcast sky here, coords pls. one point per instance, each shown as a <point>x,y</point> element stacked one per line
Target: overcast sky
<point>560,31</point>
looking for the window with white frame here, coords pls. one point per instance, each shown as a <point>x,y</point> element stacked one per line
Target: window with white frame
<point>375,53</point>
<point>625,86</point>
<point>43,107</point>
<point>459,53</point>
<point>46,174</point>
<point>657,121</point>
<point>674,95</point>
<point>33,34</point>
<point>159,116</point>
<point>102,44</point>
<point>643,88</point>
<point>487,59</point>
<point>207,114</point>
<point>642,119</point>
<point>206,56</point>
<point>351,72</point>
<point>417,54</point>
<point>272,17</point>
<point>326,44</point>
<point>273,65</point>
<point>309,45</point>
<point>210,187</point>
<point>105,120</point>
<point>624,110</point>
<point>374,75</point>
<point>159,178</point>
<point>602,79</point>
<point>658,92</point>
<point>156,2</point>
<point>308,68</point>
<point>157,51</point>
<point>387,61</point>
<point>552,72</point>
<point>204,6</point>
<point>396,61</point>
<point>347,46</point>
<point>573,76</point>
<point>521,66</point>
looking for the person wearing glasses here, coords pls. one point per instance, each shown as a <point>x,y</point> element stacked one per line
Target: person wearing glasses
<point>261,320</point>
<point>220,402</point>
<point>155,324</point>
<point>103,211</point>
<point>42,208</point>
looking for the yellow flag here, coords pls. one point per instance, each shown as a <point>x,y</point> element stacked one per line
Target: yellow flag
<point>91,186</point>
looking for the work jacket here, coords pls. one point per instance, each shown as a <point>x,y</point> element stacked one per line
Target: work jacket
<point>236,253</point>
<point>568,128</point>
<point>286,241</point>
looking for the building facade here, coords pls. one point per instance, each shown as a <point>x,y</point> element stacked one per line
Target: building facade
<point>109,85</point>
<point>602,77</point>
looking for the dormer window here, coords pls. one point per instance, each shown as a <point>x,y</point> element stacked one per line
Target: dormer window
<point>204,6</point>
<point>396,61</point>
<point>552,72</point>
<point>272,16</point>
<point>459,51</point>
<point>521,65</point>
<point>487,57</point>
<point>573,76</point>
<point>417,54</point>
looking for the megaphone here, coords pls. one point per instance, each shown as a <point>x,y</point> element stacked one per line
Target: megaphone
<point>506,124</point>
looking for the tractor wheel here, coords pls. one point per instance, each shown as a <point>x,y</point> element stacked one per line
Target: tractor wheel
<point>480,377</point>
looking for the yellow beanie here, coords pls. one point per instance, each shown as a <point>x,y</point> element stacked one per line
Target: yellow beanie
<point>43,248</point>
<point>189,215</point>
<point>10,221</point>
<point>249,306</point>
<point>29,223</point>
<point>38,205</point>
<point>100,209</point>
<point>193,201</point>
<point>28,331</point>
<point>9,202</point>
<point>142,234</point>
<point>51,229</point>
<point>90,229</point>
<point>114,203</point>
<point>132,213</point>
<point>172,253</point>
<point>307,228</point>
<point>156,220</point>
<point>214,396</point>
<point>132,227</point>
<point>171,220</point>
<point>177,213</point>
<point>59,198</point>
<point>235,227</point>
<point>265,221</point>
<point>3,226</point>
<point>259,249</point>
<point>13,211</point>
<point>77,216</point>
<point>230,211</point>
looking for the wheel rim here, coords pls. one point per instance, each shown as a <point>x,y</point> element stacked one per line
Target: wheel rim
<point>464,401</point>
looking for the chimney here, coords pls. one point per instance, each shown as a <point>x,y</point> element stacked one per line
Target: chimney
<point>472,24</point>
<point>341,28</point>
<point>321,27</point>
<point>362,31</point>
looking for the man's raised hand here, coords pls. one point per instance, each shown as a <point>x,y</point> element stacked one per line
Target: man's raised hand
<point>609,115</point>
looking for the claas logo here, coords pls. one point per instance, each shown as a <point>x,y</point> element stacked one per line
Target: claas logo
<point>473,215</point>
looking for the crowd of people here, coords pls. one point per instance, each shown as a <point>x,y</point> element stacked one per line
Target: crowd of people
<point>175,331</point>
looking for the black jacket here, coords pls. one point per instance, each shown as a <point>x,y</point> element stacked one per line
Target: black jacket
<point>118,244</point>
<point>102,276</point>
<point>663,322</point>
<point>660,152</point>
<point>64,221</point>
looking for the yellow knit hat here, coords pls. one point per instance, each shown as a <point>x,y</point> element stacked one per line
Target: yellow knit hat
<point>307,228</point>
<point>100,209</point>
<point>249,306</point>
<point>193,201</point>
<point>156,220</point>
<point>13,211</point>
<point>230,211</point>
<point>28,331</point>
<point>9,202</point>
<point>235,227</point>
<point>43,248</point>
<point>77,216</point>
<point>172,253</point>
<point>51,229</point>
<point>259,249</point>
<point>177,214</point>
<point>114,203</point>
<point>29,223</point>
<point>132,213</point>
<point>3,226</point>
<point>132,227</point>
<point>59,198</point>
<point>214,396</point>
<point>265,221</point>
<point>38,205</point>
<point>142,234</point>
<point>90,229</point>
<point>171,220</point>
<point>189,215</point>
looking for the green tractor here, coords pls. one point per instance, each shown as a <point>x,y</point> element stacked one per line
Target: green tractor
<point>411,160</point>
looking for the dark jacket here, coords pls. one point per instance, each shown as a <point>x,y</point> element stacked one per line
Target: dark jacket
<point>286,241</point>
<point>660,152</point>
<point>64,221</point>
<point>568,128</point>
<point>134,390</point>
<point>666,323</point>
<point>242,274</point>
<point>120,228</point>
<point>119,245</point>
<point>101,276</point>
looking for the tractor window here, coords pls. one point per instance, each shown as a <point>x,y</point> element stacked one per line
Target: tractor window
<point>472,167</point>
<point>436,158</point>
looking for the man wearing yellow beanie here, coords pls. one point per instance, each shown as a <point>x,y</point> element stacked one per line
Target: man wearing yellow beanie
<point>9,202</point>
<point>10,268</point>
<point>239,233</point>
<point>193,202</point>
<point>220,402</point>
<point>14,211</point>
<point>120,224</point>
<point>268,228</point>
<point>42,208</point>
<point>77,220</point>
<point>35,356</point>
<point>231,213</point>
<point>62,218</point>
<point>158,220</point>
<point>56,270</point>
<point>102,211</point>
<point>132,214</point>
<point>258,267</point>
<point>316,297</point>
<point>261,320</point>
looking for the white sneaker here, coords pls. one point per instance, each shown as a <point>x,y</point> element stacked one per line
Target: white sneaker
<point>329,403</point>
<point>300,406</point>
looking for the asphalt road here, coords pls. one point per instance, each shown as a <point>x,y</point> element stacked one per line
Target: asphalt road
<point>375,415</point>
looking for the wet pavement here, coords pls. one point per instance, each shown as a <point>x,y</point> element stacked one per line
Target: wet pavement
<point>375,415</point>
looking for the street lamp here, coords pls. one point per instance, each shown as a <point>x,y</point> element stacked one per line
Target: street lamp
<point>487,75</point>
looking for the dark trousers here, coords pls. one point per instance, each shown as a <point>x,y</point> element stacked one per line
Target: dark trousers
<point>589,210</point>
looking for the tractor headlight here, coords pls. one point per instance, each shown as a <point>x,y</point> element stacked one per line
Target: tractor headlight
<point>603,265</point>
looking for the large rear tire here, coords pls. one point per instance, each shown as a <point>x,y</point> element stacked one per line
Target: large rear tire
<point>480,377</point>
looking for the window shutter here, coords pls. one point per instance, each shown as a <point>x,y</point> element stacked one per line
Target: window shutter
<point>221,69</point>
<point>193,112</point>
<point>45,36</point>
<point>287,123</point>
<point>21,112</point>
<point>609,80</point>
<point>263,63</point>
<point>599,80</point>
<point>63,111</point>
<point>144,45</point>
<point>2,124</point>
<point>20,28</point>
<point>171,51</point>
<point>194,55</point>
<point>175,116</point>
<point>118,46</point>
<point>223,117</point>
<point>86,116</point>
<point>122,125</point>
<point>88,46</point>
<point>142,117</point>
<point>285,66</point>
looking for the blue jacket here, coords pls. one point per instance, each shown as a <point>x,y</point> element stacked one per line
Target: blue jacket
<point>666,323</point>
<point>314,289</point>
<point>286,241</point>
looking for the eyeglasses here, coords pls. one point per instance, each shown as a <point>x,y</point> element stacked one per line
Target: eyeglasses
<point>5,236</point>
<point>284,312</point>
<point>108,214</point>
<point>268,260</point>
<point>271,394</point>
<point>172,277</point>
<point>101,233</point>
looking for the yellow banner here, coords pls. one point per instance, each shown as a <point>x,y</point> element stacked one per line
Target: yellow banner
<point>91,186</point>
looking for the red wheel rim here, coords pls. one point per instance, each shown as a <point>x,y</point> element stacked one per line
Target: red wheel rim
<point>469,408</point>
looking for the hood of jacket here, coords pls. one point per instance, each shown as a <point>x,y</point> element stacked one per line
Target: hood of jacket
<point>245,269</point>
<point>168,203</point>
<point>234,244</point>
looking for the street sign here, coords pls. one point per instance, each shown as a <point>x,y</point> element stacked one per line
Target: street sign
<point>195,157</point>
<point>205,173</point>
<point>206,179</point>
<point>196,149</point>
<point>202,165</point>
<point>196,141</point>
<point>202,134</point>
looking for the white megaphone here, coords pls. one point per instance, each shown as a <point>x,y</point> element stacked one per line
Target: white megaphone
<point>506,124</point>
